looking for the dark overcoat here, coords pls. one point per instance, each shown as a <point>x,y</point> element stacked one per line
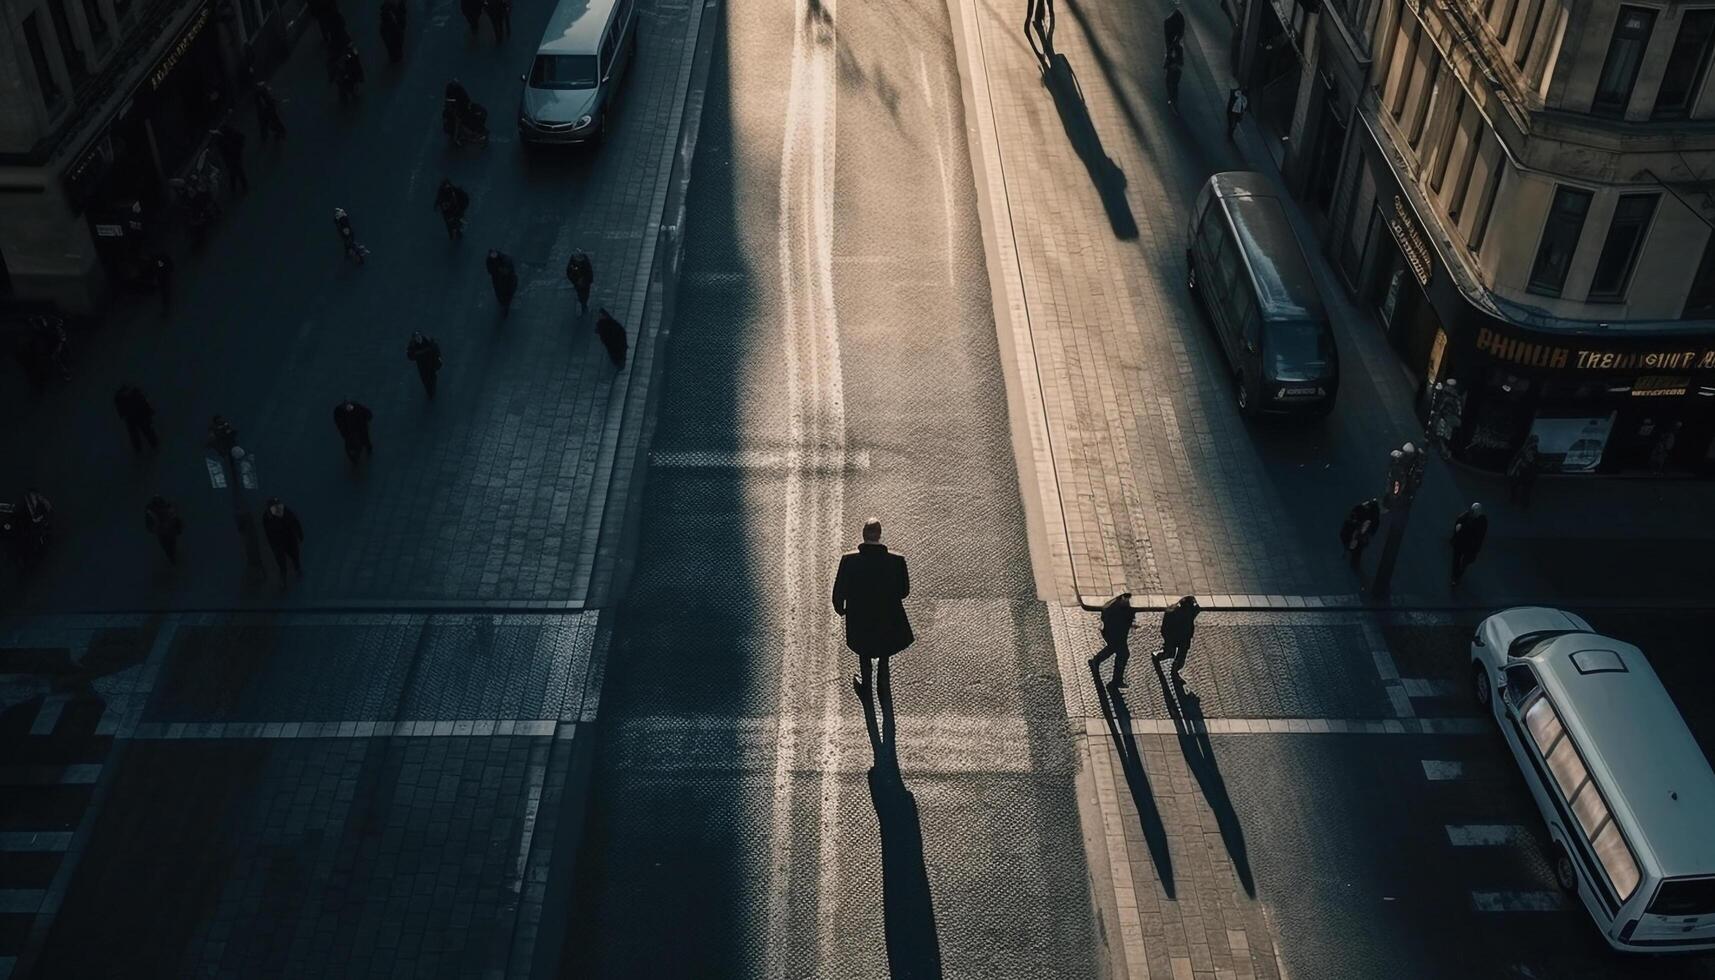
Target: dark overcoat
<point>869,591</point>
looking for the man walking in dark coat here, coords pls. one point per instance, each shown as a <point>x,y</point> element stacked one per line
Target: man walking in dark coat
<point>139,416</point>
<point>1178,624</point>
<point>163,521</point>
<point>427,355</point>
<point>348,237</point>
<point>869,591</point>
<point>393,29</point>
<point>229,143</point>
<point>504,275</point>
<point>1359,527</point>
<point>1118,620</point>
<point>452,201</point>
<point>472,10</point>
<point>1469,530</point>
<point>612,336</point>
<point>580,271</point>
<point>284,533</point>
<point>268,112</point>
<point>1237,103</point>
<point>1174,29</point>
<point>500,15</point>
<point>351,418</point>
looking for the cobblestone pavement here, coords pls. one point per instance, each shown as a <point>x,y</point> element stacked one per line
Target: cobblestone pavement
<point>297,795</point>
<point>1148,478</point>
<point>493,491</point>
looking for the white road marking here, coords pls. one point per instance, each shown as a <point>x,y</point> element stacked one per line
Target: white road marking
<point>1525,901</point>
<point>809,460</point>
<point>1438,771</point>
<point>48,716</point>
<point>1486,834</point>
<point>941,133</point>
<point>1387,670</point>
<point>944,744</point>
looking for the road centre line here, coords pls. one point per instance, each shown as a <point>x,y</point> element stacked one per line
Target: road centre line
<point>1486,834</point>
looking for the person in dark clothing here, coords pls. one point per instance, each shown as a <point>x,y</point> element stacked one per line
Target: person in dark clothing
<point>472,10</point>
<point>1175,69</point>
<point>1173,28</point>
<point>1178,625</point>
<point>349,74</point>
<point>452,202</point>
<point>1469,530</point>
<point>393,29</point>
<point>351,418</point>
<point>285,534</point>
<point>1522,472</point>
<point>347,237</point>
<point>612,336</point>
<point>580,271</point>
<point>222,436</point>
<point>426,353</point>
<point>268,112</point>
<point>1237,103</point>
<point>162,520</point>
<point>139,416</point>
<point>1118,620</point>
<point>229,143</point>
<point>504,275</point>
<point>500,15</point>
<point>161,270</point>
<point>1359,527</point>
<point>869,593</point>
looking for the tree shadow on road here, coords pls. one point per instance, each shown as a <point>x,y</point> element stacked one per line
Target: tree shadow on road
<point>908,909</point>
<point>1118,716</point>
<point>1105,174</point>
<point>1187,712</point>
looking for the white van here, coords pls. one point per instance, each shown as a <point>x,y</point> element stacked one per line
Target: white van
<point>579,64</point>
<point>1628,794</point>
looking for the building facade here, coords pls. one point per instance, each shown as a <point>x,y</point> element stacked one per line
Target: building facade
<point>101,102</point>
<point>1523,193</point>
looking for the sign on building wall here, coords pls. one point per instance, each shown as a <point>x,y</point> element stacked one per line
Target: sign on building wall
<point>1413,243</point>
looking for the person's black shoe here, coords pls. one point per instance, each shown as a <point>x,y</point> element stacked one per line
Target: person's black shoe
<point>857,685</point>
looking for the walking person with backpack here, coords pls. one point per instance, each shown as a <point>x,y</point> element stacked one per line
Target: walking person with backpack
<point>425,352</point>
<point>1359,527</point>
<point>580,272</point>
<point>351,417</point>
<point>1178,625</point>
<point>1118,620</point>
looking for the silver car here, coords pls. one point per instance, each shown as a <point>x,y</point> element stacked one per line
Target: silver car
<point>569,89</point>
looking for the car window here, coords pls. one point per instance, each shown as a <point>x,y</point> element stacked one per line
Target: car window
<point>608,44</point>
<point>1589,807</point>
<point>1295,346</point>
<point>1617,860</point>
<point>1568,769</point>
<point>563,71</point>
<point>1685,896</point>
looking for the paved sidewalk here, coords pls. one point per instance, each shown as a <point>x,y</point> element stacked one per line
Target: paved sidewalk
<point>496,490</point>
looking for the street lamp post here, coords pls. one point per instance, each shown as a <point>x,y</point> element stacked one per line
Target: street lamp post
<point>1404,477</point>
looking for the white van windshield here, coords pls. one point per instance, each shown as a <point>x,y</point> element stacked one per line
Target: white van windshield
<point>1685,896</point>
<point>563,71</point>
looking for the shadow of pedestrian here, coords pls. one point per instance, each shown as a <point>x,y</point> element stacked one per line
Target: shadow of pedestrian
<point>1105,174</point>
<point>1186,709</point>
<point>908,911</point>
<point>1118,716</point>
<point>1039,18</point>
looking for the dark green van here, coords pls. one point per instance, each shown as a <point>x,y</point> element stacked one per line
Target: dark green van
<point>1245,263</point>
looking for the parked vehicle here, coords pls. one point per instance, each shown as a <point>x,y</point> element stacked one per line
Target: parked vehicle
<point>1627,793</point>
<point>570,88</point>
<point>1244,262</point>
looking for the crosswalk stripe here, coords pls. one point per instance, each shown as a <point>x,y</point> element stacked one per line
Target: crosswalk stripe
<point>17,841</point>
<point>1441,770</point>
<point>1486,834</point>
<point>1525,901</point>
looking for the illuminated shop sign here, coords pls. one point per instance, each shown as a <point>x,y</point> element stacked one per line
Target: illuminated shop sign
<point>1530,354</point>
<point>1656,385</point>
<point>1413,244</point>
<point>187,37</point>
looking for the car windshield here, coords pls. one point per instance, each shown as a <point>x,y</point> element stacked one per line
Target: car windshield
<point>1526,643</point>
<point>1298,348</point>
<point>1685,896</point>
<point>563,71</point>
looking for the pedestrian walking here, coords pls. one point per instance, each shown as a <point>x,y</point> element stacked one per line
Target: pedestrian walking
<point>268,112</point>
<point>229,143</point>
<point>612,336</point>
<point>1359,527</point>
<point>393,29</point>
<point>426,353</point>
<point>869,592</point>
<point>1178,625</point>
<point>1173,29</point>
<point>161,270</point>
<point>1175,68</point>
<point>1522,471</point>
<point>500,15</point>
<point>1118,620</point>
<point>1237,103</point>
<point>580,271</point>
<point>472,10</point>
<point>222,437</point>
<point>351,417</point>
<point>452,202</point>
<point>162,520</point>
<point>504,275</point>
<point>1469,530</point>
<point>139,416</point>
<point>348,74</point>
<point>347,237</point>
<point>285,536</point>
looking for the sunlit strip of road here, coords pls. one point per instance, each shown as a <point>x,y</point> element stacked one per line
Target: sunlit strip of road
<point>929,744</point>
<point>806,460</point>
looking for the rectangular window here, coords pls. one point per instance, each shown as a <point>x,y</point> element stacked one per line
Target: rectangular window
<point>39,58</point>
<point>1503,22</point>
<point>1527,40</point>
<point>1544,724</point>
<point>97,23</point>
<point>1625,56</point>
<point>1700,302</point>
<point>1687,64</point>
<point>1625,239</point>
<point>1432,90</point>
<point>1486,207</point>
<point>1444,150</point>
<point>1589,808</point>
<point>1617,860</point>
<point>1408,34</point>
<point>1462,188</point>
<point>75,61</point>
<point>1559,240</point>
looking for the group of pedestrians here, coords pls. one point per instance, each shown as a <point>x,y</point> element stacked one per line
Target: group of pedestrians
<point>1119,618</point>
<point>1173,34</point>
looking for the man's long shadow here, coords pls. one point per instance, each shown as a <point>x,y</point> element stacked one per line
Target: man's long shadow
<point>908,909</point>
<point>1105,174</point>
<point>1118,717</point>
<point>1188,721</point>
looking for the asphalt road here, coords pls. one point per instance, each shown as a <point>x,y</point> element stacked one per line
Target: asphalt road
<point>834,358</point>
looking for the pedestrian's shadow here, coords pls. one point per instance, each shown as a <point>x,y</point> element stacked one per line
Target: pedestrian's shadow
<point>1105,174</point>
<point>1117,714</point>
<point>908,910</point>
<point>1188,721</point>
